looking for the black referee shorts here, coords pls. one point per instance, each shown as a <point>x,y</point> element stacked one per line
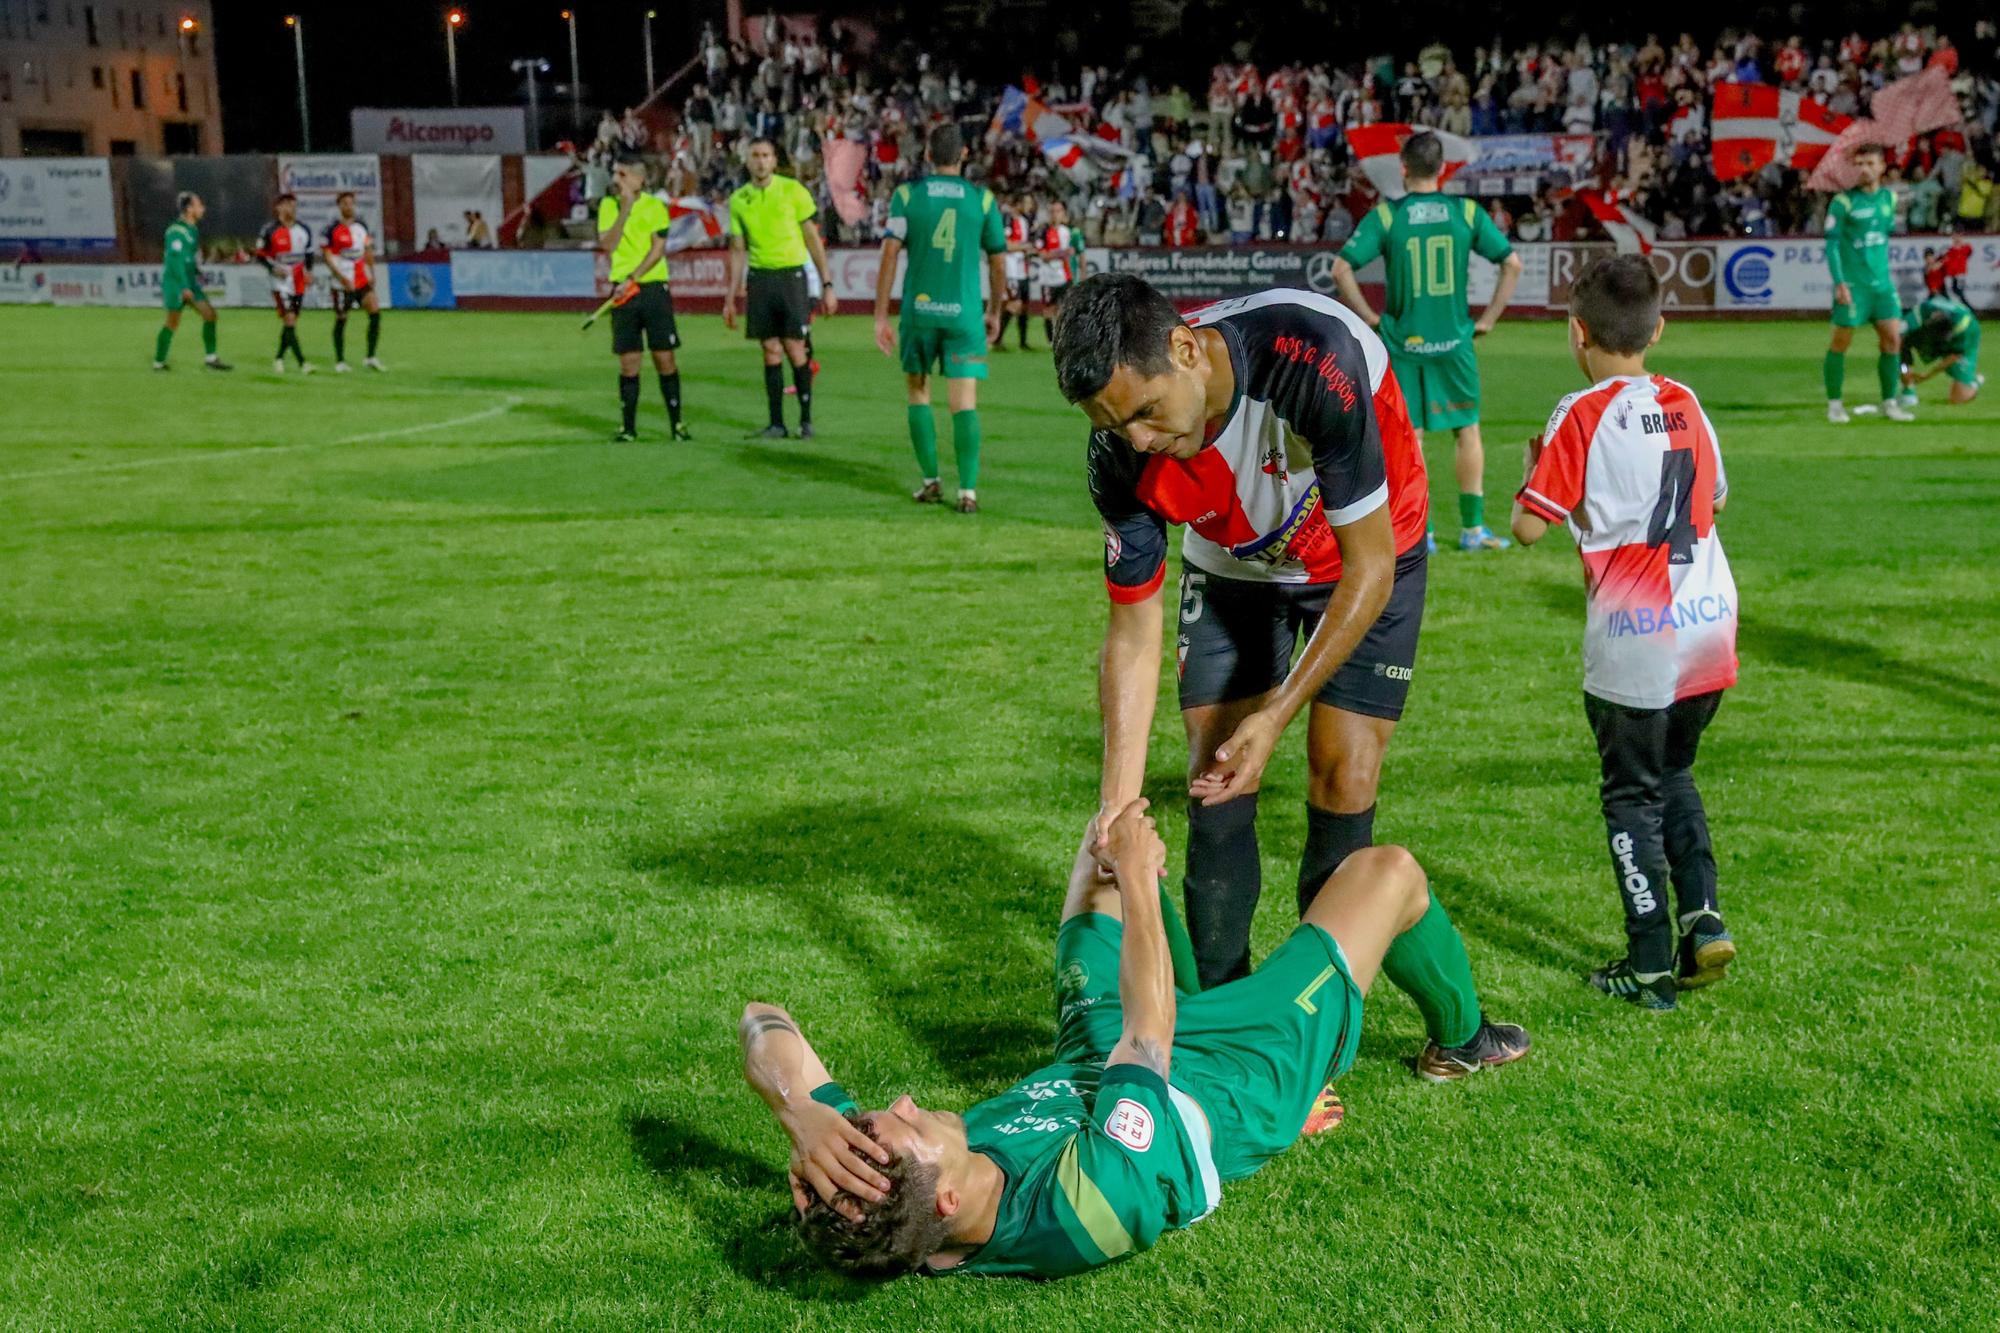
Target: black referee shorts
<point>649,316</point>
<point>778,306</point>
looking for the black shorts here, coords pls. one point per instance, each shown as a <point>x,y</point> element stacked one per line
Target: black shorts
<point>649,316</point>
<point>778,306</point>
<point>288,303</point>
<point>1237,638</point>
<point>344,300</point>
<point>1017,290</point>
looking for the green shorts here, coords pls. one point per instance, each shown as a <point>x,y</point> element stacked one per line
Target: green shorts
<point>1254,1053</point>
<point>1441,392</point>
<point>957,353</point>
<point>1966,369</point>
<point>1871,304</point>
<point>170,294</point>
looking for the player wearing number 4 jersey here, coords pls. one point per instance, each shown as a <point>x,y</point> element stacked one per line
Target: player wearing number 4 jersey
<point>1425,240</point>
<point>1271,426</point>
<point>1156,1098</point>
<point>1631,465</point>
<point>947,226</point>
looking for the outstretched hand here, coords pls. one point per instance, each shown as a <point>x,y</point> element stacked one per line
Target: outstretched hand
<point>1239,762</point>
<point>832,1155</point>
<point>1132,843</point>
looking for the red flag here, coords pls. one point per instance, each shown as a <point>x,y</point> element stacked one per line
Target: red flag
<point>1375,148</point>
<point>1755,124</point>
<point>1626,226</point>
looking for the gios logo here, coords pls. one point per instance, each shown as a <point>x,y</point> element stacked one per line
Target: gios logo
<point>1637,886</point>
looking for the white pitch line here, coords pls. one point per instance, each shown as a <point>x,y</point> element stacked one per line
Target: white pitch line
<point>508,404</point>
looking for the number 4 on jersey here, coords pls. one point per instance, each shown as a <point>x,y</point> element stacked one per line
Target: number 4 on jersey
<point>1672,524</point>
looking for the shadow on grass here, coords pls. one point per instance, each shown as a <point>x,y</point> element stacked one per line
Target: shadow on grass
<point>797,463</point>
<point>724,1187</point>
<point>1488,914</point>
<point>951,929</point>
<point>1864,664</point>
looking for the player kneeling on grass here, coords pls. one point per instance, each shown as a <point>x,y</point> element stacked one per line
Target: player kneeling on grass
<point>1631,465</point>
<point>1944,337</point>
<point>946,224</point>
<point>1155,1098</point>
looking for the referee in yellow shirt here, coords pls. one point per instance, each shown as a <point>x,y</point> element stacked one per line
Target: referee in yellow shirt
<point>773,230</point>
<point>632,229</point>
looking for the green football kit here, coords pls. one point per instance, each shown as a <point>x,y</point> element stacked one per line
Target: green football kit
<point>947,226</point>
<point>1426,241</point>
<point>1858,223</point>
<point>1943,327</point>
<point>181,270</point>
<point>1101,1160</point>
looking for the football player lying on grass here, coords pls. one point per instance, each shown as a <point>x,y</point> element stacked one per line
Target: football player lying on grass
<point>1154,1099</point>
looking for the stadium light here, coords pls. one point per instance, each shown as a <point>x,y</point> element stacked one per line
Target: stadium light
<point>298,28</point>
<point>651,14</point>
<point>575,90</point>
<point>188,24</point>
<point>454,19</point>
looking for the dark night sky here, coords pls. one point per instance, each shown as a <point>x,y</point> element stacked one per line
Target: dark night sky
<point>360,53</point>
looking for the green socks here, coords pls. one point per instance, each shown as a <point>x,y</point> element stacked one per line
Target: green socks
<point>1834,371</point>
<point>161,342</point>
<point>965,447</point>
<point>1471,510</point>
<point>208,337</point>
<point>1187,978</point>
<point>923,439</point>
<point>1428,962</point>
<point>1889,370</point>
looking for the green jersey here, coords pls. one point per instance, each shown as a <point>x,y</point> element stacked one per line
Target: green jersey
<point>947,225</point>
<point>1426,242</point>
<point>182,249</point>
<point>1943,328</point>
<point>1857,237</point>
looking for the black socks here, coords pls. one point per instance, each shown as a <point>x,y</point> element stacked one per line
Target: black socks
<point>670,390</point>
<point>802,383</point>
<point>774,393</point>
<point>1224,879</point>
<point>1330,839</point>
<point>628,401</point>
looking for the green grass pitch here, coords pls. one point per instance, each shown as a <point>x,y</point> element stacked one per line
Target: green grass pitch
<point>402,789</point>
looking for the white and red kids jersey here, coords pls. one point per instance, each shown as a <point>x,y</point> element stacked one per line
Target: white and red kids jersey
<point>1631,465</point>
<point>285,249</point>
<point>346,246</point>
<point>1317,438</point>
<point>1017,260</point>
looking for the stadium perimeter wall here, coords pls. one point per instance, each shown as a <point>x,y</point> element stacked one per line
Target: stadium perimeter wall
<point>1730,278</point>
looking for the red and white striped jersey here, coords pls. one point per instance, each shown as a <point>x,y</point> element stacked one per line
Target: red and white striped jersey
<point>1317,438</point>
<point>1631,465</point>
<point>285,249</point>
<point>1017,260</point>
<point>346,246</point>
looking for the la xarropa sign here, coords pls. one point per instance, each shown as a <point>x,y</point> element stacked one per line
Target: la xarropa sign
<point>440,129</point>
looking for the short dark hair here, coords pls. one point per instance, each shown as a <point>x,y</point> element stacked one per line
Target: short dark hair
<point>1106,321</point>
<point>765,138</point>
<point>344,194</point>
<point>946,146</point>
<point>1423,156</point>
<point>893,1237</point>
<point>1867,147</point>
<point>1617,299</point>
<point>286,197</point>
<point>183,199</point>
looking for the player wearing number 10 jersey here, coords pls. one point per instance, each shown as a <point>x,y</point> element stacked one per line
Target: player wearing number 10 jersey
<point>1631,465</point>
<point>1425,241</point>
<point>947,226</point>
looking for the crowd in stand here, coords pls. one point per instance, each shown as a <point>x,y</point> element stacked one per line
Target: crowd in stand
<point>1263,155</point>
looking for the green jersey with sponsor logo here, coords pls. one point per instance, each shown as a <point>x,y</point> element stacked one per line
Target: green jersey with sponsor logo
<point>182,250</point>
<point>1426,242</point>
<point>947,226</point>
<point>1858,223</point>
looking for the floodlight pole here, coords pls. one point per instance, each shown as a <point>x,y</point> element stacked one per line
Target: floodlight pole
<point>451,22</point>
<point>575,88</point>
<point>650,83</point>
<point>298,27</point>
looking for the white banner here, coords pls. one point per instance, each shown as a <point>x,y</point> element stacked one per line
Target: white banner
<point>538,172</point>
<point>58,202</point>
<point>440,129</point>
<point>448,189</point>
<point>24,284</point>
<point>321,178</point>
<point>1790,273</point>
<point>138,285</point>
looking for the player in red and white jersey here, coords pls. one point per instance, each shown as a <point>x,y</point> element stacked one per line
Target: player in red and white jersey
<point>1272,427</point>
<point>284,248</point>
<point>1632,467</point>
<point>1061,262</point>
<point>1014,305</point>
<point>350,259</point>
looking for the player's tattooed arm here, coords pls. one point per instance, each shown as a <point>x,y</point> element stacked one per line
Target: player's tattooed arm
<point>830,1153</point>
<point>1145,967</point>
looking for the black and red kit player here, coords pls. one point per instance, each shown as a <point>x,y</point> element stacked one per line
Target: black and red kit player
<point>350,263</point>
<point>284,248</point>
